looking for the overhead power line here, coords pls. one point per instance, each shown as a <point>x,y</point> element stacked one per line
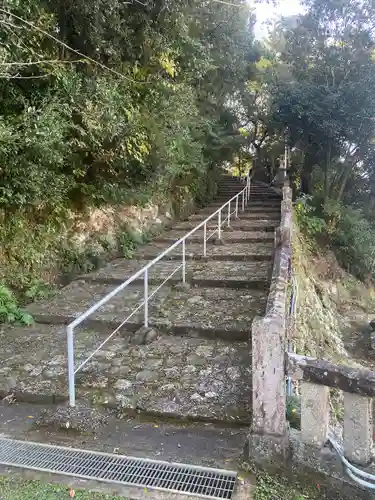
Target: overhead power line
<point>230,4</point>
<point>68,47</point>
<point>71,49</point>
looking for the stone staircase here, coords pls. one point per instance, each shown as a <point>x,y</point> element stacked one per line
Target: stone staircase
<point>194,360</point>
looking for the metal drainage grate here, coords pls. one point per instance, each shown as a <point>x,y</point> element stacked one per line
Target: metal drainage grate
<point>171,477</point>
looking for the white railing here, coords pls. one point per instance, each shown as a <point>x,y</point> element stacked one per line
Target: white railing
<point>228,209</point>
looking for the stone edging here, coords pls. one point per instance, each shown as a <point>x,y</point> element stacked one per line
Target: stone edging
<point>277,298</point>
<point>268,337</point>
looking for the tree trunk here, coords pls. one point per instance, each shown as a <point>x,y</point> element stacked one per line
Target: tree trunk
<point>326,174</point>
<point>342,184</point>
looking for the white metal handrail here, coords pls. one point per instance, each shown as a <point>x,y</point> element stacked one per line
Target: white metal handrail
<point>240,198</point>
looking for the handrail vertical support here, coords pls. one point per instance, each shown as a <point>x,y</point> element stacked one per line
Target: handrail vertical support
<point>144,271</point>
<point>145,296</point>
<point>205,240</point>
<point>71,375</point>
<point>183,261</point>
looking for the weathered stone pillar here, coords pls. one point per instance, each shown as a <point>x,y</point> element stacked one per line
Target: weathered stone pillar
<point>314,413</point>
<point>268,440</point>
<point>358,428</point>
<point>268,376</point>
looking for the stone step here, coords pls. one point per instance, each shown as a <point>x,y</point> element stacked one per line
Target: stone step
<point>224,313</point>
<point>254,275</point>
<point>251,205</point>
<point>231,236</point>
<point>233,180</point>
<point>260,209</point>
<point>229,194</point>
<point>236,224</point>
<point>230,185</point>
<point>242,215</point>
<point>185,378</point>
<point>229,251</point>
<point>253,197</point>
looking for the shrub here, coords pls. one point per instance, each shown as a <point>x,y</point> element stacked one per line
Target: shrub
<point>10,312</point>
<point>354,242</point>
<point>307,219</point>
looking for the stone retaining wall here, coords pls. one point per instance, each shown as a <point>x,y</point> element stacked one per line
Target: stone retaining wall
<point>304,455</point>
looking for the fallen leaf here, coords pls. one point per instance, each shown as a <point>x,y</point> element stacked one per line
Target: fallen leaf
<point>156,426</point>
<point>30,416</point>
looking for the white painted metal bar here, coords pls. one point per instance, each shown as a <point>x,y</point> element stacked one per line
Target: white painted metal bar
<point>139,273</point>
<point>144,272</point>
<point>212,233</point>
<point>145,296</point>
<point>205,240</point>
<point>127,319</point>
<point>183,261</point>
<point>71,374</point>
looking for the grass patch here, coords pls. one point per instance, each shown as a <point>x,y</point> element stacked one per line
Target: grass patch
<point>17,489</point>
<point>274,488</point>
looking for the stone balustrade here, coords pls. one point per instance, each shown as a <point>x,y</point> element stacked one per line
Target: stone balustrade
<point>358,385</point>
<point>271,443</point>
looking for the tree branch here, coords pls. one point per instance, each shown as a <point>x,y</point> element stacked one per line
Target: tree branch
<point>28,23</point>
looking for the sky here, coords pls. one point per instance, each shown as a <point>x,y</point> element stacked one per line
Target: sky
<point>268,12</point>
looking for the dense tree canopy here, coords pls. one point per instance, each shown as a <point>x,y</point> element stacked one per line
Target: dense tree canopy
<point>107,101</point>
<point>327,104</point>
<point>101,97</point>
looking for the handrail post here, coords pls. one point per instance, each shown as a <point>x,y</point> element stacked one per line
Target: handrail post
<point>237,206</point>
<point>219,224</point>
<point>205,240</point>
<point>145,296</point>
<point>314,413</point>
<point>358,428</point>
<point>183,262</point>
<point>71,375</point>
<point>229,213</point>
<point>243,200</point>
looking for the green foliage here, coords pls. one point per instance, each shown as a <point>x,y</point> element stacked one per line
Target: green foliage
<point>293,411</point>
<point>354,241</point>
<point>346,230</point>
<point>152,118</point>
<point>14,488</point>
<point>309,223</point>
<point>38,289</point>
<point>128,242</point>
<point>10,312</point>
<point>272,488</point>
